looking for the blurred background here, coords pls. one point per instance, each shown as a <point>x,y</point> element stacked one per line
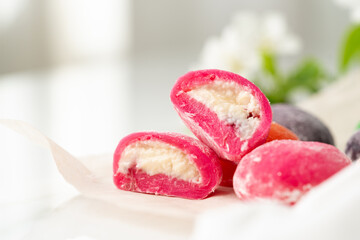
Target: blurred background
<point>103,68</point>
<point>86,73</point>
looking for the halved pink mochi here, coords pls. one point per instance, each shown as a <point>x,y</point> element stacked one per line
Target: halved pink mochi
<point>284,170</point>
<point>224,110</point>
<point>167,164</point>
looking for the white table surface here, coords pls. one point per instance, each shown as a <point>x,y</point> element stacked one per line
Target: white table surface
<point>86,109</point>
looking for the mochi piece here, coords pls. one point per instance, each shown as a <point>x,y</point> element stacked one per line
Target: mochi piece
<point>224,110</point>
<point>284,170</point>
<point>305,125</point>
<point>167,164</point>
<point>228,170</point>
<point>352,149</point>
<point>279,132</point>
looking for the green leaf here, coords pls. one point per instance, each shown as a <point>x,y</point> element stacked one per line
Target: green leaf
<point>358,126</point>
<point>276,97</point>
<point>309,74</point>
<point>270,67</point>
<point>269,64</point>
<point>350,50</point>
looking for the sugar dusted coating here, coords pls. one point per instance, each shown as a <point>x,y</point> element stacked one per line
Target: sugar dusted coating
<point>224,110</point>
<point>168,164</point>
<point>284,170</point>
<point>155,157</point>
<point>231,103</point>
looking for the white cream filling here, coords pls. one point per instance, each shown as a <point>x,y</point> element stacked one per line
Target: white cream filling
<point>155,157</point>
<point>231,103</point>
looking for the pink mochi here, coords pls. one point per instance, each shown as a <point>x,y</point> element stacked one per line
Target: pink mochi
<point>134,178</point>
<point>284,170</point>
<point>222,135</point>
<point>228,169</point>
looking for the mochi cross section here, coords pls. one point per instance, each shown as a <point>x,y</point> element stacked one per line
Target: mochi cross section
<point>168,164</point>
<point>224,110</point>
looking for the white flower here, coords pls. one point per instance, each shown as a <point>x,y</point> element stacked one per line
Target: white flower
<point>354,6</point>
<point>242,43</point>
<point>276,38</point>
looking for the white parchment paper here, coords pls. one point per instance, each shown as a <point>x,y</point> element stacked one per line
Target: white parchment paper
<point>92,176</point>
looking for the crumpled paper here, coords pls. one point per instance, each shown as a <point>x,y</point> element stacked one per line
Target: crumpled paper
<point>92,176</point>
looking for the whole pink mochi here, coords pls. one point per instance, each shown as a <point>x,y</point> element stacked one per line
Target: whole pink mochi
<point>136,179</point>
<point>285,170</point>
<point>224,135</point>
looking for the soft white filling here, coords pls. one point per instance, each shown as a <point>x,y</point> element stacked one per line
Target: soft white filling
<point>231,103</point>
<point>155,157</point>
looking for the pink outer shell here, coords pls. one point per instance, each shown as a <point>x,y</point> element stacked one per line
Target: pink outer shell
<point>205,124</point>
<point>285,170</point>
<point>228,169</point>
<point>203,157</point>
